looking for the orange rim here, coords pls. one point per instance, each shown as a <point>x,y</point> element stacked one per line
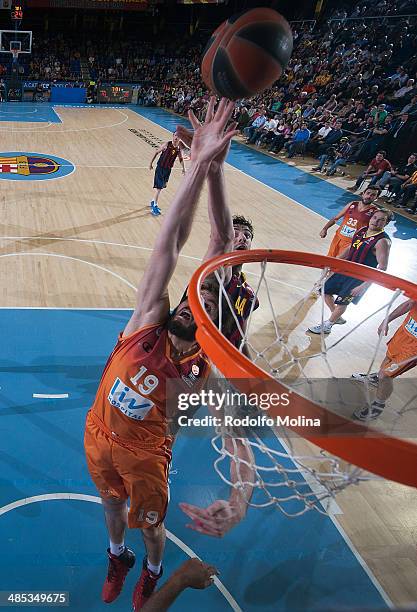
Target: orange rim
<point>378,453</point>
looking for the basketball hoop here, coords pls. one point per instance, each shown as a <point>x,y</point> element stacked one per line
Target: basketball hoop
<point>15,54</point>
<point>378,452</point>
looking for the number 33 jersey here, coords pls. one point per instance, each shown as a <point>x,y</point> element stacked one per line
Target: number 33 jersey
<point>131,398</point>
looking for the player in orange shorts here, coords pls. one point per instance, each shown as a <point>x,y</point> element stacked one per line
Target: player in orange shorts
<point>127,443</point>
<point>355,216</point>
<point>401,356</point>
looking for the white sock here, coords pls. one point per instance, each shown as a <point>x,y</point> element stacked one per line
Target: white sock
<point>155,569</point>
<point>117,549</point>
<point>327,323</point>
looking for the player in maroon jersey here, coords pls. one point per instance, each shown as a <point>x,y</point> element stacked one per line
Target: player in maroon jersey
<point>168,154</point>
<point>240,293</point>
<point>370,247</point>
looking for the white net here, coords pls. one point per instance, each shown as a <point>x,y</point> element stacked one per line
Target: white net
<point>334,370</point>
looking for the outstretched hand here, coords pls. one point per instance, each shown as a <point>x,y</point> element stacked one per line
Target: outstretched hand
<point>196,574</point>
<point>215,520</point>
<point>210,141</point>
<point>383,328</point>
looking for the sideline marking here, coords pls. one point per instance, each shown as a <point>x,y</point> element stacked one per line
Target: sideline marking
<point>129,246</point>
<point>51,395</point>
<point>100,127</point>
<point>96,500</point>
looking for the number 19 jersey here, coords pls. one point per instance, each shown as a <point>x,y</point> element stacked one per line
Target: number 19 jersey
<point>131,398</point>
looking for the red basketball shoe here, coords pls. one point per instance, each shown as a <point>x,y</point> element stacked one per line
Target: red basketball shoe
<point>145,586</point>
<point>116,574</point>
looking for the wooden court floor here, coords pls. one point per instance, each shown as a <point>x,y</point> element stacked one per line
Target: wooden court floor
<point>82,241</point>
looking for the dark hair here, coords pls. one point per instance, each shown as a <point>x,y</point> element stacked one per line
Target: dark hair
<point>241,220</point>
<point>373,188</point>
<point>382,153</point>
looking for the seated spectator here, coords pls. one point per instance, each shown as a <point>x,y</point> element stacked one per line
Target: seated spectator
<point>336,156</point>
<point>399,76</point>
<point>321,134</point>
<point>308,111</point>
<point>404,90</point>
<point>268,131</point>
<point>331,139</point>
<point>280,138</point>
<point>378,137</point>
<point>379,114</point>
<point>411,107</point>
<point>243,119</point>
<point>298,142</point>
<point>331,103</point>
<point>255,125</point>
<point>270,124</point>
<point>400,130</point>
<point>375,171</point>
<point>408,190</point>
<point>397,177</point>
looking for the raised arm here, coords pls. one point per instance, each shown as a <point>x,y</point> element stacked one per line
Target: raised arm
<point>152,305</point>
<point>221,223</point>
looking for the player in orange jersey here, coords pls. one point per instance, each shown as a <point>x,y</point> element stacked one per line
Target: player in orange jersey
<point>128,447</point>
<point>401,356</point>
<point>355,216</point>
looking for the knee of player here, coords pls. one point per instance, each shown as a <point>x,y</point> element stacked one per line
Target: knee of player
<point>113,503</point>
<point>383,374</point>
<point>153,532</point>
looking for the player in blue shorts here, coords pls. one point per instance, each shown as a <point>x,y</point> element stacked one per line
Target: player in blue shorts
<point>370,247</point>
<point>169,153</point>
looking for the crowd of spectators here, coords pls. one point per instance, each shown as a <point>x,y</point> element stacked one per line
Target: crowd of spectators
<point>348,96</point>
<point>141,61</point>
<point>52,58</point>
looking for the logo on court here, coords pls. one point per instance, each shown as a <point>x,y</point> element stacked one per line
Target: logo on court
<point>23,166</point>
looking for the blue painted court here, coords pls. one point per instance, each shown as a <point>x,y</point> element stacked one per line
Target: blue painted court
<point>28,112</point>
<point>51,525</point>
<point>269,562</point>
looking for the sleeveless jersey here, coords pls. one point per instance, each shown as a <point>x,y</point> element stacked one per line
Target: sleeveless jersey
<point>168,156</point>
<point>241,297</point>
<point>406,334</point>
<point>355,219</point>
<point>361,250</point>
<point>131,398</point>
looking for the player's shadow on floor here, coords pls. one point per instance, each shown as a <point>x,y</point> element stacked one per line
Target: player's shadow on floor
<point>66,233</point>
<point>290,585</point>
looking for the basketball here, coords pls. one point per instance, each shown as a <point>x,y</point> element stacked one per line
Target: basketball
<point>247,53</point>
